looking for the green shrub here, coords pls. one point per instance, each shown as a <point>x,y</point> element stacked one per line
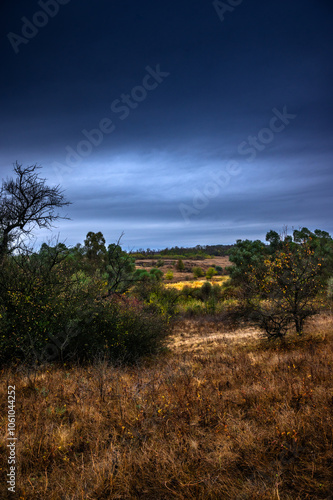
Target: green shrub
<point>193,308</point>
<point>141,275</point>
<point>164,300</point>
<point>42,305</point>
<point>210,273</point>
<point>186,292</point>
<point>197,272</point>
<point>156,274</point>
<point>206,290</point>
<point>49,315</point>
<point>219,270</point>
<point>122,329</point>
<point>180,265</point>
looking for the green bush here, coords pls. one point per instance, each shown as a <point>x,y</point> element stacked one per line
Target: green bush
<point>197,272</point>
<point>206,290</point>
<point>47,314</point>
<point>219,270</point>
<point>180,265</point>
<point>210,273</point>
<point>41,307</point>
<point>122,328</point>
<point>156,274</point>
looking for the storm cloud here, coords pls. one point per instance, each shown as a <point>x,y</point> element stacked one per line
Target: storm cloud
<point>177,123</point>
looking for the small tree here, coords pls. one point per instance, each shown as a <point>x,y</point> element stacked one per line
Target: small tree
<point>180,265</point>
<point>120,269</point>
<point>26,203</point>
<point>245,256</point>
<point>284,290</point>
<point>94,246</point>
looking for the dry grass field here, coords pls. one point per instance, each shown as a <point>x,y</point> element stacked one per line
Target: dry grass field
<point>221,415</point>
<point>169,265</point>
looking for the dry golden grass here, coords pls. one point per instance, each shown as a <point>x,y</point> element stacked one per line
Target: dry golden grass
<point>179,285</point>
<point>221,416</point>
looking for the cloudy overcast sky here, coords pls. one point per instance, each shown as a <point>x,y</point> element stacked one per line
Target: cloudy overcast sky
<point>178,122</point>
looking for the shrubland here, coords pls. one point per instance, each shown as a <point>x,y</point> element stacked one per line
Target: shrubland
<point>130,387</point>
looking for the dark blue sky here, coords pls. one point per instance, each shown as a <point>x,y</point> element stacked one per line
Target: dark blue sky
<point>176,122</point>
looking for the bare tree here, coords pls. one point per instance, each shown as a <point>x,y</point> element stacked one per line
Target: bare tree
<point>26,203</point>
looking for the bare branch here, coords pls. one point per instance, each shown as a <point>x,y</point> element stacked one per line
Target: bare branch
<point>27,203</point>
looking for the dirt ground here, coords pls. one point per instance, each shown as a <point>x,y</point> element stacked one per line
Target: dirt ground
<point>169,264</point>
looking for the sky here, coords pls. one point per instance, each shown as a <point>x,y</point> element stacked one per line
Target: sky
<point>175,123</point>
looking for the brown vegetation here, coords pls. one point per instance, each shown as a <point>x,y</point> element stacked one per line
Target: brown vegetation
<point>222,415</point>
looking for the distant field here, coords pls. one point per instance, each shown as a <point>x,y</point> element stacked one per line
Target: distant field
<point>169,265</point>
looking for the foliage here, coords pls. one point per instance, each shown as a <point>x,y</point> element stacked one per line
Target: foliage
<point>153,275</point>
<point>94,247</point>
<point>321,243</point>
<point>219,270</point>
<point>285,288</point>
<point>274,240</point>
<point>40,302</point>
<point>197,272</point>
<point>164,300</point>
<point>120,269</point>
<point>206,290</point>
<point>246,255</point>
<point>121,328</point>
<point>180,265</point>
<point>196,253</point>
<point>156,274</point>
<point>169,275</point>
<point>50,313</point>
<point>211,271</point>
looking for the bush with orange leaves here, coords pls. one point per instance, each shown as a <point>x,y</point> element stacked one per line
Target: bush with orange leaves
<point>287,289</point>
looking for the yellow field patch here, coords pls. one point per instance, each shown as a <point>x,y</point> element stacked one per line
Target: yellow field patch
<point>197,283</point>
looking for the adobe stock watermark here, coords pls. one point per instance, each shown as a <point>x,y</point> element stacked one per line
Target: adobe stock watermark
<point>251,147</point>
<point>11,427</point>
<point>255,144</point>
<point>225,7</point>
<point>123,107</point>
<point>40,19</point>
